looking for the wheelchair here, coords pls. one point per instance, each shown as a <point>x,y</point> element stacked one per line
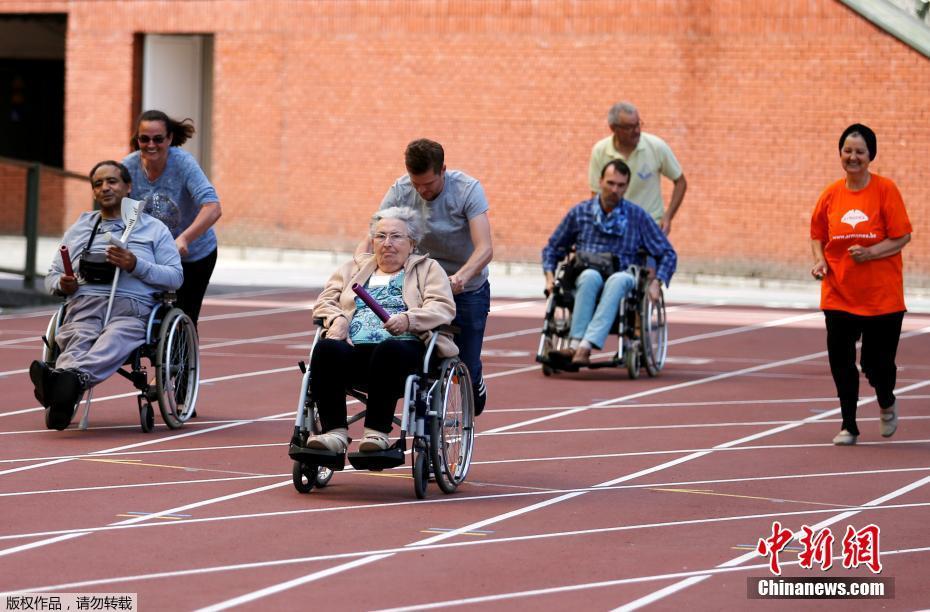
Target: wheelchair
<point>640,324</point>
<point>438,413</point>
<point>171,346</point>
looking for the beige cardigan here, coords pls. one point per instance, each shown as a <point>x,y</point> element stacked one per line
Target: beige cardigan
<point>427,294</point>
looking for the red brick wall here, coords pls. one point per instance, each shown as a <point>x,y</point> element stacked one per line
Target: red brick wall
<point>314,102</point>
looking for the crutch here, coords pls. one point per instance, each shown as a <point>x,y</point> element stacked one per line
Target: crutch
<point>129,210</point>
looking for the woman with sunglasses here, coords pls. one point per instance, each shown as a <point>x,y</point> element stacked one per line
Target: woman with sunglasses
<point>175,190</point>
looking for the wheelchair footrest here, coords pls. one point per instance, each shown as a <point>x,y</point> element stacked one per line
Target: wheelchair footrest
<point>557,361</point>
<point>312,456</point>
<point>377,460</point>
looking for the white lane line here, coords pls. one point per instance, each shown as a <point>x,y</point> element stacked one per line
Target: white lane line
<point>747,328</point>
<point>556,458</point>
<point>513,334</point>
<point>465,544</point>
<point>271,590</point>
<point>214,345</point>
<point>138,485</point>
<point>515,306</point>
<point>493,520</point>
<point>612,583</point>
<point>257,313</point>
<point>534,490</point>
<point>680,586</point>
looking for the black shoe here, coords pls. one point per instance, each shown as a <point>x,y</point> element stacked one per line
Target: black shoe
<point>65,388</point>
<point>38,374</point>
<point>480,400</point>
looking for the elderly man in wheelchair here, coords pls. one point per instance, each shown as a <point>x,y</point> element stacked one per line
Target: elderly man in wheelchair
<point>385,320</point>
<point>600,244</point>
<point>123,259</point>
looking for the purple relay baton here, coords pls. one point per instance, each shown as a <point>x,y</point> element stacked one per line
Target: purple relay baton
<point>376,308</point>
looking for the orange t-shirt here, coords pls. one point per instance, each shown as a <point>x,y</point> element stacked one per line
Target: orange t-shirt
<point>843,218</point>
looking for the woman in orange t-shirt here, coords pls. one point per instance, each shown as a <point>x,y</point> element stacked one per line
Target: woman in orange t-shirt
<point>858,229</point>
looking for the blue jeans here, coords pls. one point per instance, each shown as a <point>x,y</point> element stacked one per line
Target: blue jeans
<point>471,317</point>
<point>593,324</point>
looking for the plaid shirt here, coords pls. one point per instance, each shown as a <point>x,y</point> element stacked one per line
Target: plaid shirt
<point>580,228</point>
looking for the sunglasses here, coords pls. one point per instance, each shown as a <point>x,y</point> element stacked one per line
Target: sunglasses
<point>156,139</point>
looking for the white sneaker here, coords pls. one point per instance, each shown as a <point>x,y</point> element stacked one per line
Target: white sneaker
<point>373,440</point>
<point>335,440</point>
<point>844,438</point>
<point>888,421</point>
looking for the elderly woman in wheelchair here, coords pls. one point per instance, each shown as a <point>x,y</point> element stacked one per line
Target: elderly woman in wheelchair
<point>124,260</point>
<point>598,281</point>
<point>387,359</point>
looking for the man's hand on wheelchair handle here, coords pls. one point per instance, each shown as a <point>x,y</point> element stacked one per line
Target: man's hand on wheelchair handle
<point>550,282</point>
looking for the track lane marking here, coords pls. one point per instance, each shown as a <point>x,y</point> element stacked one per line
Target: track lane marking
<point>453,500</point>
<point>738,561</point>
<point>534,506</point>
<point>566,497</point>
<point>464,544</point>
<point>689,575</point>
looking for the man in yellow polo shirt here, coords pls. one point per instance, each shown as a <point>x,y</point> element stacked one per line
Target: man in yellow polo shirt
<point>648,157</point>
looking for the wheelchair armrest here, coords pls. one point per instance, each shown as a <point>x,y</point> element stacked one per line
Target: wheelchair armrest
<point>318,321</point>
<point>166,297</point>
<point>448,329</point>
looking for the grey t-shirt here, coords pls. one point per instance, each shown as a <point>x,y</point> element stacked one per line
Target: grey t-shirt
<point>448,237</point>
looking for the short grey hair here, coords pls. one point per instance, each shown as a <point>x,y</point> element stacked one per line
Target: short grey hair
<point>613,115</point>
<point>410,216</point>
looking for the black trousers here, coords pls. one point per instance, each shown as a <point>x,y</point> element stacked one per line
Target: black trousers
<point>880,335</point>
<point>380,368</point>
<point>196,278</point>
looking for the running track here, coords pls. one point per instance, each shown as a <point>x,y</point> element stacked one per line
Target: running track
<point>587,491</point>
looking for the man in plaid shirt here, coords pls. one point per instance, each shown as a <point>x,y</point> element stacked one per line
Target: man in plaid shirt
<point>606,224</point>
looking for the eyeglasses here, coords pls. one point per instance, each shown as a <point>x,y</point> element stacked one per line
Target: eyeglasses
<point>381,237</point>
<point>160,138</point>
<point>629,127</point>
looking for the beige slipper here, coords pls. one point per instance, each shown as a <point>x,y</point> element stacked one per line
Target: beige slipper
<point>373,441</point>
<point>335,440</point>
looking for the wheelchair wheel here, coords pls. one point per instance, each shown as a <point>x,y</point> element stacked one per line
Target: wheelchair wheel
<point>631,359</point>
<point>50,349</point>
<point>452,430</point>
<point>177,368</point>
<point>146,417</point>
<point>420,472</point>
<point>304,476</point>
<point>654,333</point>
<point>323,476</point>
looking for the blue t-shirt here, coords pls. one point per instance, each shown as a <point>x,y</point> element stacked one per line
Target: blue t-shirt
<point>176,196</point>
<point>366,327</point>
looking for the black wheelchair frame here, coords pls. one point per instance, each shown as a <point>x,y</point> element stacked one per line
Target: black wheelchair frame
<point>640,324</point>
<point>438,411</point>
<point>171,346</point>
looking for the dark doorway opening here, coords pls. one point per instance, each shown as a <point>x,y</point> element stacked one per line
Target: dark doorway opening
<point>32,87</point>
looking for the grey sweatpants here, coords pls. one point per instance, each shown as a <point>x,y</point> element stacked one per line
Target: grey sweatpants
<point>98,351</point>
